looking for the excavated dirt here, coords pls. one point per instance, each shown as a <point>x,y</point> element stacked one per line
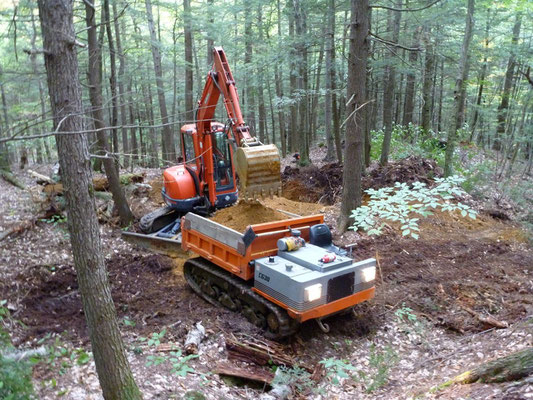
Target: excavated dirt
<point>248,212</point>
<point>324,184</point>
<point>149,290</point>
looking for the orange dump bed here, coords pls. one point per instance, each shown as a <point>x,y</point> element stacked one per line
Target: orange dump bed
<point>234,250</point>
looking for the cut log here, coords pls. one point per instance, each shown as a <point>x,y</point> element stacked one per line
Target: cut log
<point>16,230</point>
<point>41,179</point>
<point>513,367</point>
<point>10,178</point>
<point>260,353</point>
<point>249,373</point>
<point>487,319</point>
<point>100,183</point>
<point>194,337</point>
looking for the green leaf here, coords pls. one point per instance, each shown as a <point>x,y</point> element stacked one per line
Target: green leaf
<point>406,232</point>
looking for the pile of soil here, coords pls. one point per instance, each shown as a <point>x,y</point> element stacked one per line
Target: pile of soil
<point>246,213</point>
<point>458,270</point>
<point>406,170</point>
<point>146,289</point>
<point>324,184</point>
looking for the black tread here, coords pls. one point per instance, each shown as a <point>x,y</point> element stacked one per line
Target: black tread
<point>158,219</point>
<point>244,292</point>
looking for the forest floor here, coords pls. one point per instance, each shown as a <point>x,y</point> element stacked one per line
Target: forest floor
<point>437,299</point>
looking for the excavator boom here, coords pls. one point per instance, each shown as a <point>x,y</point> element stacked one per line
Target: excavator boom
<point>257,165</point>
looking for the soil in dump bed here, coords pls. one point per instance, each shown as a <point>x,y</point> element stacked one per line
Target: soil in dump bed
<point>246,213</point>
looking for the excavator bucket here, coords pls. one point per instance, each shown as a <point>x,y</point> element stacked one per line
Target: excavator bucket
<point>258,168</point>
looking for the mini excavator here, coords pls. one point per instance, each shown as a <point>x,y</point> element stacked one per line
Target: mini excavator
<point>212,155</point>
<point>277,274</point>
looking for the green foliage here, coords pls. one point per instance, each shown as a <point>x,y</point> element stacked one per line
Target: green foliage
<point>155,339</point>
<point>336,369</point>
<point>15,375</point>
<point>61,357</point>
<point>178,362</point>
<point>15,379</point>
<point>402,202</point>
<point>379,366</point>
<point>408,141</point>
<point>54,220</point>
<point>405,314</point>
<point>297,378</point>
<point>128,322</point>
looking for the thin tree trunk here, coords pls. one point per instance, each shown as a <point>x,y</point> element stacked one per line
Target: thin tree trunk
<point>353,152</point>
<point>121,95</point>
<point>168,138</point>
<point>409,104</point>
<point>294,138</point>
<point>507,85</point>
<point>459,91</point>
<point>260,73</point>
<point>427,85</point>
<point>61,64</point>
<point>390,82</point>
<point>95,94</point>
<point>249,79</point>
<point>278,73</point>
<point>112,82</point>
<point>328,110</point>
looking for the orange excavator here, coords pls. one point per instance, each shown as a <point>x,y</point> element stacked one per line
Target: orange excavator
<point>276,274</point>
<point>214,155</point>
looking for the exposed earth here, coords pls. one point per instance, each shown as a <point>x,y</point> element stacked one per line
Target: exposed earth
<point>458,296</point>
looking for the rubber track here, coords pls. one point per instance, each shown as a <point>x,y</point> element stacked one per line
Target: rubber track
<point>287,326</point>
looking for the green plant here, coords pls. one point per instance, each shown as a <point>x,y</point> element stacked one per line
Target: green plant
<point>379,366</point>
<point>178,362</point>
<point>61,357</point>
<point>128,322</point>
<point>155,339</point>
<point>405,314</point>
<point>336,369</point>
<point>295,377</point>
<point>402,202</point>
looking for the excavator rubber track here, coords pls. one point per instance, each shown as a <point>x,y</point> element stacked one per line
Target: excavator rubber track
<point>220,288</point>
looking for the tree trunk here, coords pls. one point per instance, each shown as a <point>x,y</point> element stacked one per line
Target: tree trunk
<point>121,95</point>
<point>507,85</point>
<point>294,138</point>
<point>4,150</point>
<point>61,65</point>
<point>459,91</point>
<point>427,85</point>
<point>249,83</point>
<point>168,137</point>
<point>210,31</point>
<point>409,104</point>
<point>112,82</point>
<point>390,82</point>
<point>353,152</point>
<point>95,93</point>
<point>482,75</point>
<point>278,74</point>
<point>260,83</point>
<point>328,110</point>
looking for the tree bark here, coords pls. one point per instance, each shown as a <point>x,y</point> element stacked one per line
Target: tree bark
<point>121,95</point>
<point>260,83</point>
<point>328,110</point>
<point>507,85</point>
<point>278,73</point>
<point>61,65</point>
<point>459,91</point>
<point>390,83</point>
<point>168,137</point>
<point>95,93</point>
<point>409,104</point>
<point>249,78</point>
<point>187,31</point>
<point>353,152</point>
<point>429,62</point>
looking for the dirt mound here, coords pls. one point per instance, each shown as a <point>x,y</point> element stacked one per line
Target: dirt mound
<point>406,170</point>
<point>324,184</point>
<point>445,277</point>
<point>246,213</point>
<point>295,207</point>
<point>312,184</point>
<point>155,192</point>
<point>150,290</point>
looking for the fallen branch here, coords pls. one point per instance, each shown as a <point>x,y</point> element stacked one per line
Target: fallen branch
<point>250,373</point>
<point>488,320</point>
<point>513,367</point>
<point>41,178</point>
<point>10,178</point>
<point>16,230</point>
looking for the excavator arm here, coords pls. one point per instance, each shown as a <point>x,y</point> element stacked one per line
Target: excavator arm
<point>256,164</point>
